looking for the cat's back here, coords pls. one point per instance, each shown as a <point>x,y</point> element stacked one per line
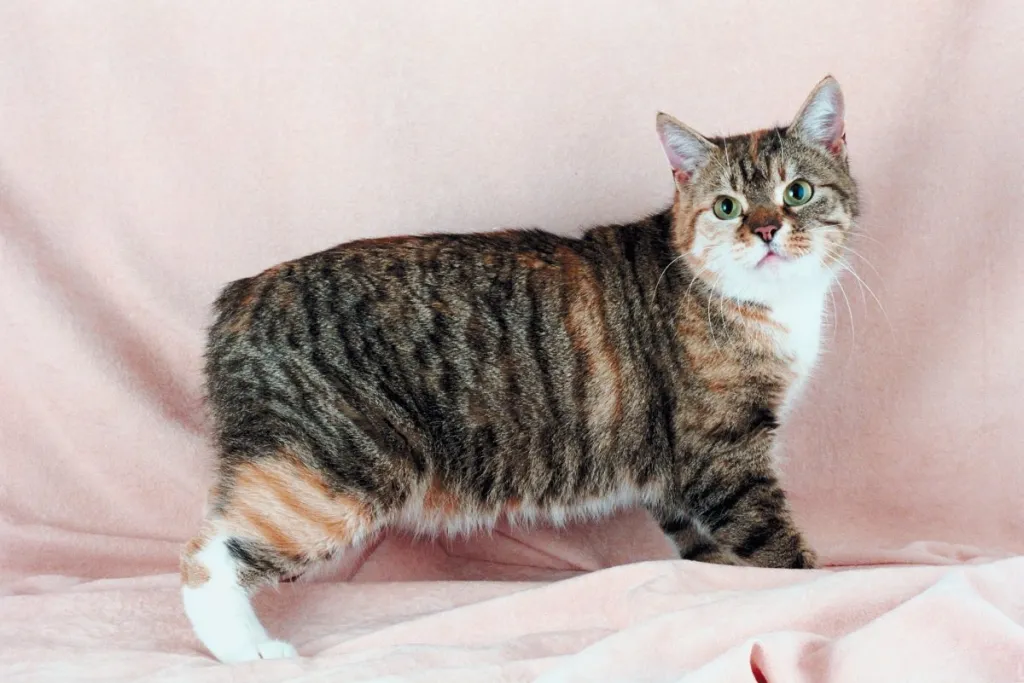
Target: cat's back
<point>393,276</point>
<point>436,332</point>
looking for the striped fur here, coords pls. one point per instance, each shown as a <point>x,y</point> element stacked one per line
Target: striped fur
<point>443,382</point>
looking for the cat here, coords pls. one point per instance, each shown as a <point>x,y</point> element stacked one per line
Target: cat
<point>439,383</point>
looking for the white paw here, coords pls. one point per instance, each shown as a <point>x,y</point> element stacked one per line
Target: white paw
<point>268,649</point>
<point>277,649</point>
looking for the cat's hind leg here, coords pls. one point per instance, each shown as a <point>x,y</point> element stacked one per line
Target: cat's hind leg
<point>271,518</point>
<point>217,584</point>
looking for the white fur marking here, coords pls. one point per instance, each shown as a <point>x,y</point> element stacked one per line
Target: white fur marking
<point>221,614</point>
<point>794,291</point>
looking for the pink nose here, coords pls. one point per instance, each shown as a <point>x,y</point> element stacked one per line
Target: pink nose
<point>766,232</point>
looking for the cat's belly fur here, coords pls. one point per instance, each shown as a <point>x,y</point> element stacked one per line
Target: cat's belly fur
<point>432,511</point>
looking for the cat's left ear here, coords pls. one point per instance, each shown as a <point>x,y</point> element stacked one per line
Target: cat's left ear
<point>821,120</point>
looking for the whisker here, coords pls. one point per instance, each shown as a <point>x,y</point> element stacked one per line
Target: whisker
<point>853,237</point>
<point>835,314</point>
<point>846,267</point>
<point>863,235</point>
<point>710,298</point>
<point>711,326</point>
<point>658,283</point>
<point>721,314</point>
<point>878,302</point>
<point>839,258</point>
<point>853,234</point>
<point>700,270</point>
<point>868,264</point>
<point>849,309</point>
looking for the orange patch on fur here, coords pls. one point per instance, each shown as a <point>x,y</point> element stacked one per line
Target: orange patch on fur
<point>712,353</point>
<point>755,142</point>
<point>271,271</point>
<point>282,502</point>
<point>754,314</point>
<point>440,499</point>
<point>585,324</point>
<point>193,572</point>
<point>799,244</point>
<point>531,261</point>
<point>682,238</point>
<point>242,319</point>
<point>241,323</point>
<point>379,241</point>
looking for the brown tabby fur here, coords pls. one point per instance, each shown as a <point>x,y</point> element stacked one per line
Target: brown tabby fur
<point>439,383</point>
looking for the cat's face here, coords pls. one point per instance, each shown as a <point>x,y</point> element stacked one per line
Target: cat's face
<point>761,214</point>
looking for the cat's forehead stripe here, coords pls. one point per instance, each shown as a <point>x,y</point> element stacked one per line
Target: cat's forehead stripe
<point>749,160</point>
<point>755,140</point>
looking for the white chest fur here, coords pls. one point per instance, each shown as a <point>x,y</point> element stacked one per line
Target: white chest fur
<point>798,335</point>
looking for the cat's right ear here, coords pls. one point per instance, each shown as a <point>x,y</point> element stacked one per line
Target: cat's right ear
<point>687,150</point>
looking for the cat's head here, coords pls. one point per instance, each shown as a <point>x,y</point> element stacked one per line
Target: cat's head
<point>758,215</point>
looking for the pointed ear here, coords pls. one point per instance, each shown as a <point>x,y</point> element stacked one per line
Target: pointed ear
<point>821,120</point>
<point>687,150</point>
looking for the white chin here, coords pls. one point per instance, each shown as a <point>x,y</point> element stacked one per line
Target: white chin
<point>767,279</point>
<point>772,262</point>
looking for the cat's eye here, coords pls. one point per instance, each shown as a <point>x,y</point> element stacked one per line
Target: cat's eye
<point>798,193</point>
<point>726,208</point>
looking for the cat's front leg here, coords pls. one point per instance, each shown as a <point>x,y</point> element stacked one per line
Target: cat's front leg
<point>692,542</point>
<point>739,515</point>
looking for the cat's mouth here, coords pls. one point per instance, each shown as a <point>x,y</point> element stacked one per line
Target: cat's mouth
<point>772,258</point>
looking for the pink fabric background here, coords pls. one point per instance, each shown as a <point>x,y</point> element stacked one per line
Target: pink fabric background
<point>150,152</point>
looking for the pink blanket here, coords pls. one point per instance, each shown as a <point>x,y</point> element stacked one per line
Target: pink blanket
<point>656,621</point>
<point>150,152</point>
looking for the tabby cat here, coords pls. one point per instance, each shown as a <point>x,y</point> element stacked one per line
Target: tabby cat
<point>440,383</point>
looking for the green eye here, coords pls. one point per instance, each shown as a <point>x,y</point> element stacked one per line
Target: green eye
<point>798,193</point>
<point>726,208</point>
